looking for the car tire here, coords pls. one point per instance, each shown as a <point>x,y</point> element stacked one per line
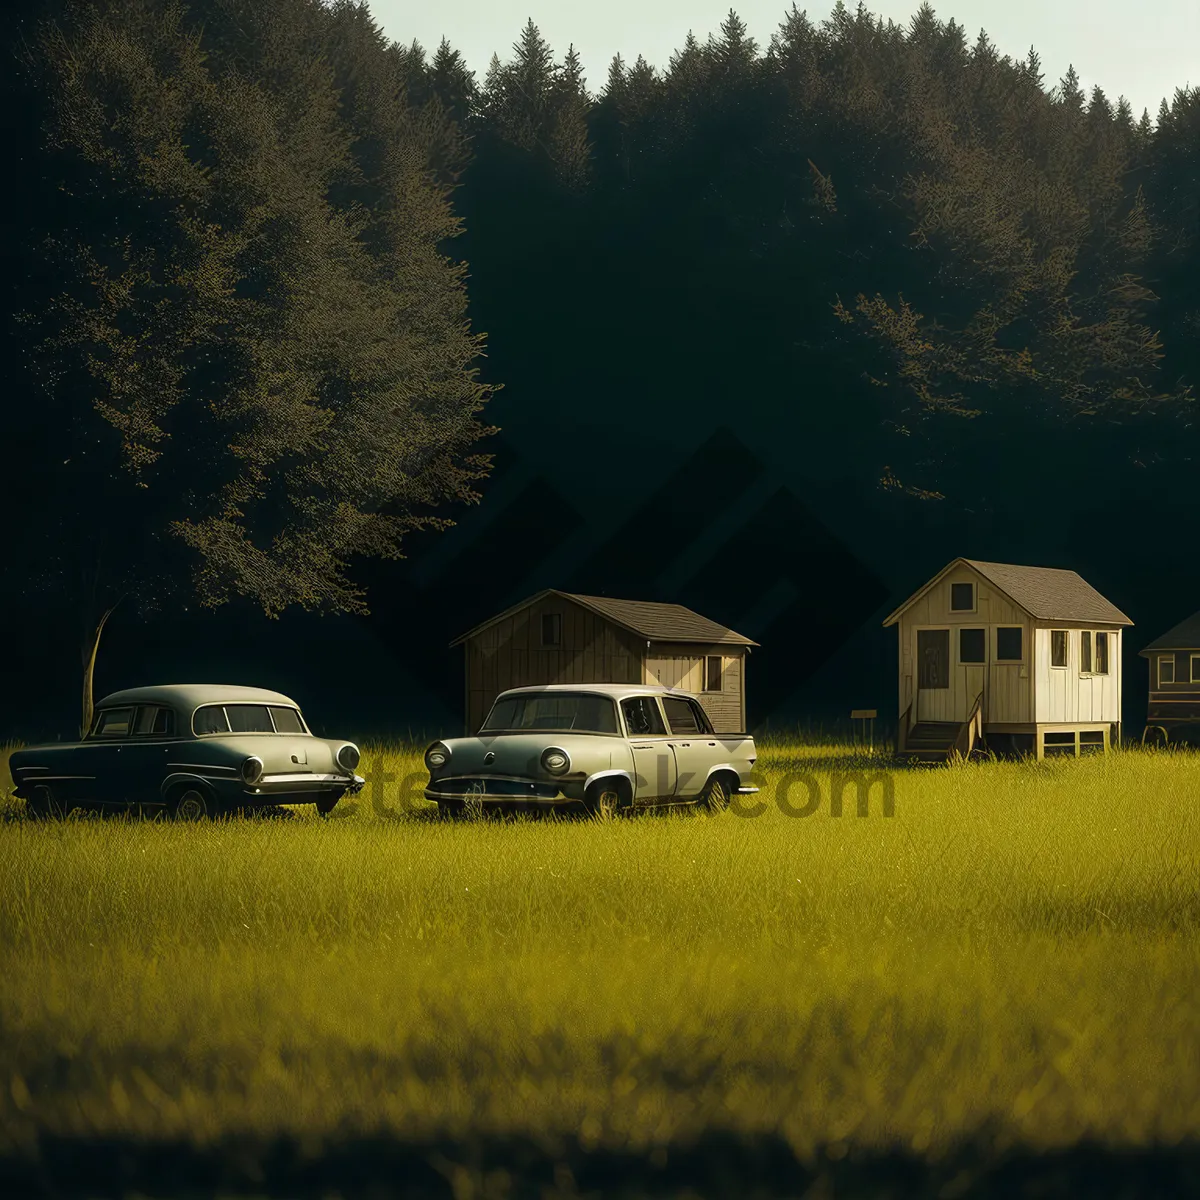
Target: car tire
<point>715,797</point>
<point>606,798</point>
<point>190,802</point>
<point>43,805</point>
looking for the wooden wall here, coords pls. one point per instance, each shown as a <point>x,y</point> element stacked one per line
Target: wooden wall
<point>682,666</point>
<point>1179,701</point>
<point>510,654</point>
<point>1062,694</point>
<point>1008,685</point>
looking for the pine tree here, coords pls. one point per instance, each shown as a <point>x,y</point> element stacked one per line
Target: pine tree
<point>254,351</point>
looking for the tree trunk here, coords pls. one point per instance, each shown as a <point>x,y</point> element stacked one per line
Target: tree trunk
<point>89,669</point>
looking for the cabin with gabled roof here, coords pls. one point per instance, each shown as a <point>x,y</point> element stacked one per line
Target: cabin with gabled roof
<point>563,637</point>
<point>1015,658</point>
<point>1173,707</point>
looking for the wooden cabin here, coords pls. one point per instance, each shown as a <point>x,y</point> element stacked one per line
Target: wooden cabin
<point>1020,659</point>
<point>560,637</point>
<point>1173,709</point>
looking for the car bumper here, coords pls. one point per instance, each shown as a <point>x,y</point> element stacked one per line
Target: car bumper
<point>271,786</point>
<point>508,790</point>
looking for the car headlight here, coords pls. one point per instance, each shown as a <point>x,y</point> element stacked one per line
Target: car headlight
<point>348,756</point>
<point>555,761</point>
<point>252,769</point>
<point>438,755</point>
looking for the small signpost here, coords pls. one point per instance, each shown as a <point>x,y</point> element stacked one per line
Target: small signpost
<point>867,717</point>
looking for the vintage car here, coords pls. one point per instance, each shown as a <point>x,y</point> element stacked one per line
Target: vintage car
<point>195,749</point>
<point>607,746</point>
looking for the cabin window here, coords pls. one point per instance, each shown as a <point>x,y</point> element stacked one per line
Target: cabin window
<point>551,629</point>
<point>962,597</point>
<point>1101,653</point>
<point>1085,652</point>
<point>1195,668</point>
<point>1166,669</point>
<point>1058,647</point>
<point>972,645</point>
<point>713,673</point>
<point>1009,644</point>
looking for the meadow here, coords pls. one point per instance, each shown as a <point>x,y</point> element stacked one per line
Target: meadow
<point>1008,964</point>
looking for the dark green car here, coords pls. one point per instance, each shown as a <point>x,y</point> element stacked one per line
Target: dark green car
<point>194,749</point>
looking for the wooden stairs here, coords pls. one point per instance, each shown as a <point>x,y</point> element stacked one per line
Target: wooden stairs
<point>940,741</point>
<point>931,741</point>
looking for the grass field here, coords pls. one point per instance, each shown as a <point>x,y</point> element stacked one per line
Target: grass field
<point>1010,962</point>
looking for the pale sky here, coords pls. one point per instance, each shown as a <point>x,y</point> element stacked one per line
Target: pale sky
<point>1143,51</point>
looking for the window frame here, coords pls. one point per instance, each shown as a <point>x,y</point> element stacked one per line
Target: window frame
<point>1193,675</point>
<point>650,702</point>
<point>1010,661</point>
<point>1087,658</point>
<point>1065,665</point>
<point>972,662</point>
<point>104,712</point>
<point>156,709</point>
<point>974,607</point>
<point>703,724</point>
<point>1165,658</point>
<point>555,624</point>
<point>709,659</point>
<point>1101,637</point>
<point>228,731</point>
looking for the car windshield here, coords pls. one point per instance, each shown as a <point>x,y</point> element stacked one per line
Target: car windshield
<point>559,711</point>
<point>246,718</point>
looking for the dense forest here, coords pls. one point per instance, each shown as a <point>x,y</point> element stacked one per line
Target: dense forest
<point>779,331</point>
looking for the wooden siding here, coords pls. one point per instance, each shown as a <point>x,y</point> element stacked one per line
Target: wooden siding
<point>510,654</point>
<point>1063,694</point>
<point>682,666</point>
<point>1172,703</point>
<point>1008,693</point>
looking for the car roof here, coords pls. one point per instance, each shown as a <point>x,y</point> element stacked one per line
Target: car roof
<point>617,690</point>
<point>192,695</point>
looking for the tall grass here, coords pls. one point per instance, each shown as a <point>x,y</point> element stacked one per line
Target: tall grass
<point>1016,951</point>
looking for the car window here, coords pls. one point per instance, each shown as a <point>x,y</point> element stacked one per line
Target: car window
<point>642,718</point>
<point>153,720</point>
<point>210,719</point>
<point>681,716</point>
<point>558,711</point>
<point>287,720</point>
<point>249,718</point>
<point>113,722</point>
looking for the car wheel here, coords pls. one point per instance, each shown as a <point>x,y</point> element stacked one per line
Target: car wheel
<point>606,798</point>
<point>189,803</point>
<point>43,804</point>
<point>715,797</point>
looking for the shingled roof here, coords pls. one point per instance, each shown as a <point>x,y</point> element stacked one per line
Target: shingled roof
<point>1045,593</point>
<point>1184,636</point>
<point>653,621</point>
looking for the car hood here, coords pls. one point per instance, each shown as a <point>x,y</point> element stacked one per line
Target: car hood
<point>518,754</point>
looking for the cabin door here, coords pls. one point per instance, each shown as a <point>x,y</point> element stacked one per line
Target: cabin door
<point>933,675</point>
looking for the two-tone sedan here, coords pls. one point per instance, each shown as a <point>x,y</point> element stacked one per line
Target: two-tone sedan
<point>607,746</point>
<point>194,749</point>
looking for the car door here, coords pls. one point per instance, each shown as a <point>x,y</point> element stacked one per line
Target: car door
<point>653,757</point>
<point>99,757</point>
<point>694,746</point>
<point>142,764</point>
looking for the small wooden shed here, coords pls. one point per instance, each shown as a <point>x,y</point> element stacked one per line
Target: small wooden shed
<point>1174,700</point>
<point>561,637</point>
<point>1024,658</point>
